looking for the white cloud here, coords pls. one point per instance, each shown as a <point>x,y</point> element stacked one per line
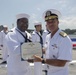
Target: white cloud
<point>68,22</point>
<point>38,9</point>
<point>33,16</point>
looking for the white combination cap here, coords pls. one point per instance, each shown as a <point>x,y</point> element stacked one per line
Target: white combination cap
<point>23,15</point>
<point>51,13</point>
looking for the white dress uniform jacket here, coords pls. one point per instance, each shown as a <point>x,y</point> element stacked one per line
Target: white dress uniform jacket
<point>4,51</point>
<point>58,47</point>
<point>45,33</point>
<point>14,64</point>
<point>37,65</point>
<point>35,37</point>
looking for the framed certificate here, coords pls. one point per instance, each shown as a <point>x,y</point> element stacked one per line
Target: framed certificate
<point>29,49</point>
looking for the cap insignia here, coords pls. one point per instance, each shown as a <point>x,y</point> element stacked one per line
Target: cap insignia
<point>48,13</point>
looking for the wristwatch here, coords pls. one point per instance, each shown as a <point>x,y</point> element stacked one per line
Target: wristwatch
<point>43,61</point>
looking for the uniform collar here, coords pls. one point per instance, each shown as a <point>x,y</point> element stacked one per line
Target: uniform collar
<point>46,31</point>
<point>56,34</point>
<point>21,31</point>
<point>37,32</point>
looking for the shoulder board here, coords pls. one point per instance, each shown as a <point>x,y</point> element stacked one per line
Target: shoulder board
<point>63,34</point>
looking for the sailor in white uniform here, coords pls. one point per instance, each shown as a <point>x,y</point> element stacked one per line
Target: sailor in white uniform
<point>14,39</point>
<point>45,33</point>
<point>37,37</point>
<point>37,33</point>
<point>3,33</point>
<point>58,46</point>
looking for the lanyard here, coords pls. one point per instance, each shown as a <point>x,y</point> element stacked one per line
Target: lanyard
<point>41,40</point>
<point>26,40</point>
<point>25,37</point>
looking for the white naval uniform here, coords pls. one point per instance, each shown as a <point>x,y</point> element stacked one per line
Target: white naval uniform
<point>37,65</point>
<point>14,64</point>
<point>4,51</point>
<point>58,47</point>
<point>35,37</point>
<point>45,33</point>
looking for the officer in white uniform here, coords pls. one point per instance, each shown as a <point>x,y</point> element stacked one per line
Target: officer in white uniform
<point>2,37</point>
<point>14,39</point>
<point>58,46</point>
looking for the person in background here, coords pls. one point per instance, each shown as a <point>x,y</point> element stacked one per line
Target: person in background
<point>37,37</point>
<point>45,33</point>
<point>58,46</point>
<point>3,33</point>
<point>37,33</point>
<point>13,41</point>
<point>1,28</point>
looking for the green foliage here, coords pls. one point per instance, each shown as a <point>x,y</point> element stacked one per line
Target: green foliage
<point>69,31</point>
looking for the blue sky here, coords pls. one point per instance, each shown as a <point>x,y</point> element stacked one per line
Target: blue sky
<point>35,8</point>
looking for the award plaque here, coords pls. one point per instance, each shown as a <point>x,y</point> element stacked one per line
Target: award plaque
<point>29,49</point>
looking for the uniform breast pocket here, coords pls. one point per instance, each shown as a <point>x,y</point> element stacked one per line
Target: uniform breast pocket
<point>55,51</point>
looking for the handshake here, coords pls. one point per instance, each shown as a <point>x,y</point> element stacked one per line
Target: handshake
<point>36,59</point>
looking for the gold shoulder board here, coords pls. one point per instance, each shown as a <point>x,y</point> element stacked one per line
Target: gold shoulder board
<point>63,34</point>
